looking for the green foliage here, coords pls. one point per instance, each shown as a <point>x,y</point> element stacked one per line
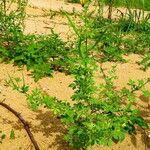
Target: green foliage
<point>2,136</point>
<point>11,21</point>
<point>12,134</point>
<point>128,34</point>
<point>40,54</point>
<point>146,93</point>
<point>140,4</point>
<point>17,84</point>
<point>145,62</point>
<point>43,54</point>
<point>35,98</point>
<point>100,114</point>
<point>74,1</point>
<point>109,40</point>
<point>135,20</point>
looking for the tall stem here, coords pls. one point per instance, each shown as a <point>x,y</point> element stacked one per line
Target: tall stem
<point>110,7</point>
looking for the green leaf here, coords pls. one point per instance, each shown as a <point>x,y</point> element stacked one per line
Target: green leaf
<point>119,135</point>
<point>145,60</point>
<point>12,134</point>
<point>146,93</point>
<point>72,24</point>
<point>140,121</point>
<point>3,136</point>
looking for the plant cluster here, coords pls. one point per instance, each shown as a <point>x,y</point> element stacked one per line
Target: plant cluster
<point>138,4</point>
<point>100,114</point>
<point>41,54</point>
<point>44,53</point>
<point>15,83</point>
<point>115,38</point>
<point>3,136</point>
<point>145,62</point>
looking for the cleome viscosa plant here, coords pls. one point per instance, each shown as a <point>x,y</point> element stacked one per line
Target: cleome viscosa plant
<point>41,54</point>
<point>100,113</point>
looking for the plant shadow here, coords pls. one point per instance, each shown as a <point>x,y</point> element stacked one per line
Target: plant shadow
<point>51,127</point>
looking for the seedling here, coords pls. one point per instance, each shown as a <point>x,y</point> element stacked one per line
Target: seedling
<point>12,134</point>
<point>17,84</point>
<point>145,62</point>
<point>2,136</point>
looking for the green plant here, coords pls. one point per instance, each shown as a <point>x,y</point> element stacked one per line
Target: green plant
<point>74,1</point>
<point>14,82</point>
<point>12,22</point>
<point>145,62</point>
<point>95,119</point>
<point>2,136</point>
<point>127,34</point>
<point>138,4</point>
<point>100,114</point>
<point>135,20</point>
<point>39,53</point>
<point>12,134</point>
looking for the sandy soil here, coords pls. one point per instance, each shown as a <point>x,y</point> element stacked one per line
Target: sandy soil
<point>47,129</point>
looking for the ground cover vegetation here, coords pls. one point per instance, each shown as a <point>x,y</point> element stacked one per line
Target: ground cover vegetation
<point>138,4</point>
<point>100,114</point>
<point>34,51</point>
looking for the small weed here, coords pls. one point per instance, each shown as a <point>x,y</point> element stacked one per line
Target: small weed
<point>17,84</point>
<point>38,53</point>
<point>2,136</point>
<point>12,134</point>
<point>145,62</point>
<point>100,114</point>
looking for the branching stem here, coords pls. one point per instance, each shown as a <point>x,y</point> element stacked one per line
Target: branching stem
<point>25,124</point>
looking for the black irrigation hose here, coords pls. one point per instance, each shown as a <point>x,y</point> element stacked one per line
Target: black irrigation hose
<point>25,124</point>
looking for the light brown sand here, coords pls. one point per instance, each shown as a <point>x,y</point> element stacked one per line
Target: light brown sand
<point>47,129</point>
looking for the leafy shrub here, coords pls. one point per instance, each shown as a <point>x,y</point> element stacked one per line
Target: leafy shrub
<point>100,114</point>
<point>114,38</point>
<point>15,83</point>
<point>40,54</point>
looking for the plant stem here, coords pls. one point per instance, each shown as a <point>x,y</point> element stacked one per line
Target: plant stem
<point>25,124</point>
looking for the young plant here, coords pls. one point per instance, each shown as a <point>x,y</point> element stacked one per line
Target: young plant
<point>145,62</point>
<point>17,84</point>
<point>2,136</point>
<point>100,114</point>
<point>12,134</point>
<point>41,54</point>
